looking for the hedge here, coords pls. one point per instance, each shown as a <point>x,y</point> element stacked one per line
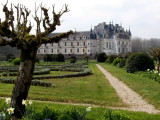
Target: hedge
<point>34,82</point>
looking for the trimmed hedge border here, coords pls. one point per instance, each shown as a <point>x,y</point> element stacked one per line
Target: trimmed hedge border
<point>34,82</point>
<point>85,72</point>
<point>81,68</point>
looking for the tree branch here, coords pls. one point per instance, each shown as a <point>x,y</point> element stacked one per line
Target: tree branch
<point>56,20</point>
<point>56,39</point>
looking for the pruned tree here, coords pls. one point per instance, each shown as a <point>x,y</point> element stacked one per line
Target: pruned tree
<point>155,52</point>
<point>19,36</point>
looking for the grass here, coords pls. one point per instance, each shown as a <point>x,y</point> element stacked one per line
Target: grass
<point>96,112</point>
<point>147,88</point>
<point>92,89</point>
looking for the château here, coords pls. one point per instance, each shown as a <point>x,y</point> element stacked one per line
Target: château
<point>109,38</point>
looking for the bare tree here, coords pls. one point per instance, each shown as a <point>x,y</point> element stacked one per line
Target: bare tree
<point>19,36</point>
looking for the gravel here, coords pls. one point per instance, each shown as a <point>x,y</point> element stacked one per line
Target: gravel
<point>127,95</point>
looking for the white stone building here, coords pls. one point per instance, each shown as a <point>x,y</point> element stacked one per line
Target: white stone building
<point>108,38</point>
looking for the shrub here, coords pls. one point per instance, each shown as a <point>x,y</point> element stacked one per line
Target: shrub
<point>87,58</point>
<point>101,57</point>
<point>73,59</point>
<point>116,61</point>
<point>16,61</point>
<point>139,62</point>
<point>60,58</point>
<point>114,115</point>
<point>110,59</point>
<point>10,56</point>
<point>65,117</point>
<point>122,63</point>
<point>10,60</point>
<point>48,58</point>
<point>4,73</point>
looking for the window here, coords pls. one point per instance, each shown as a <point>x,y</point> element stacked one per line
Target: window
<point>52,44</point>
<point>78,50</point>
<point>84,43</point>
<point>44,51</point>
<point>88,43</point>
<point>119,50</point>
<point>77,43</point>
<point>65,50</point>
<point>106,44</point>
<point>123,50</point>
<point>65,44</point>
<point>58,44</point>
<point>70,50</point>
<point>71,43</point>
<point>109,45</point>
<point>57,51</point>
<point>83,50</point>
<point>51,50</point>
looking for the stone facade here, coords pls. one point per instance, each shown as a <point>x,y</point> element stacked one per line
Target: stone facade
<point>108,38</point>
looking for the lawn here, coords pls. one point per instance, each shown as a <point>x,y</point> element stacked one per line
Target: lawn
<point>147,88</point>
<point>92,89</point>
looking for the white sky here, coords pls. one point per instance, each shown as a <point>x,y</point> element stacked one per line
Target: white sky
<point>142,16</point>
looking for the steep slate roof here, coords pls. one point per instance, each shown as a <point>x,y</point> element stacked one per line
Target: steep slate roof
<point>100,30</point>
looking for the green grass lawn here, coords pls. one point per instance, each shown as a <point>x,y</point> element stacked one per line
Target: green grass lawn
<point>92,89</point>
<point>147,88</point>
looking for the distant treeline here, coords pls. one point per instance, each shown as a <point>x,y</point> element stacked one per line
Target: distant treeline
<point>144,45</point>
<point>4,50</point>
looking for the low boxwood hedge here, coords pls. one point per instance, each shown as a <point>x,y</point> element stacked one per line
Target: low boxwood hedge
<point>34,82</point>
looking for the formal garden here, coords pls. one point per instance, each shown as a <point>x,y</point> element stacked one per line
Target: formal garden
<point>66,90</point>
<point>53,88</point>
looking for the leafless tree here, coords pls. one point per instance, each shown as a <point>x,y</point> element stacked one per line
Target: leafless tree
<point>19,36</point>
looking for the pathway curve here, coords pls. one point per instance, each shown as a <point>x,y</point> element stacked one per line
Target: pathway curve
<point>128,96</point>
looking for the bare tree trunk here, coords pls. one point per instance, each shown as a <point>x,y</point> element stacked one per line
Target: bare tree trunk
<point>22,84</point>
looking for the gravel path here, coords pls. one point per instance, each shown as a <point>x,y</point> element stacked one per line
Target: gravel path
<point>128,96</point>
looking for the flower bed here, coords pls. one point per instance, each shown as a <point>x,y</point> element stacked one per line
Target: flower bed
<point>151,74</point>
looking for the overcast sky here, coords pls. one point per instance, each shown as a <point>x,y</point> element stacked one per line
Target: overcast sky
<point>142,16</point>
